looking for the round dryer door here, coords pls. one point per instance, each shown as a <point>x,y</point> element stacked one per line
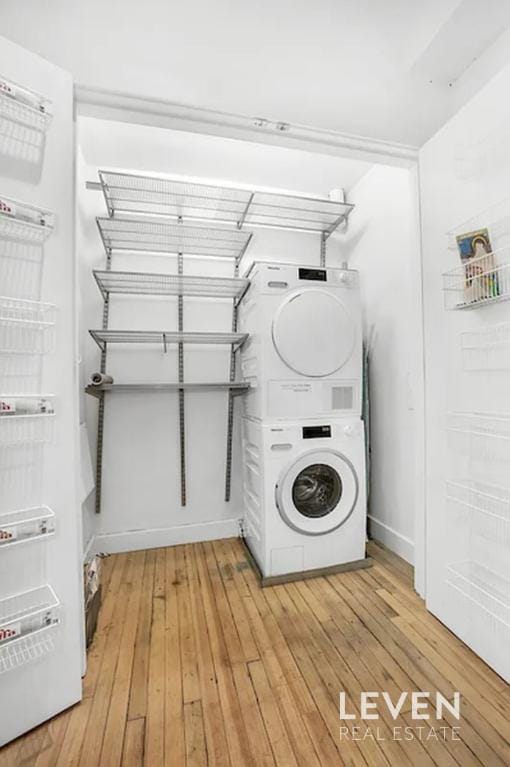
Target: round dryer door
<point>318,492</point>
<point>313,333</point>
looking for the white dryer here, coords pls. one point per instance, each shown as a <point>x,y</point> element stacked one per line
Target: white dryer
<point>304,494</point>
<point>303,357</point>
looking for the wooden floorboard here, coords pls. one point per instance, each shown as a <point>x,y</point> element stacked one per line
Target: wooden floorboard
<point>194,664</point>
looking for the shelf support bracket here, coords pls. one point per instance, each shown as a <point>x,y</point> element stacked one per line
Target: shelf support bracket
<point>100,413</point>
<point>241,221</point>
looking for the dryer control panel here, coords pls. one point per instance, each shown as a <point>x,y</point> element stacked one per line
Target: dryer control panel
<point>316,432</point>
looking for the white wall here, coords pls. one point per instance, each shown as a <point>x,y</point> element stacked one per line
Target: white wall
<point>141,502</point>
<point>464,170</point>
<point>382,245</point>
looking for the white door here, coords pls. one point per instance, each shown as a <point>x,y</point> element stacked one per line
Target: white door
<point>40,579</point>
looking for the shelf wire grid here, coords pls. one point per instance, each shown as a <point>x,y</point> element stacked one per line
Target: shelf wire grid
<point>25,606</point>
<point>186,200</point>
<point>28,649</point>
<point>487,349</point>
<point>25,525</point>
<point>156,235</point>
<point>24,223</point>
<point>237,387</point>
<point>481,436</point>
<point>165,337</point>
<point>487,505</point>
<point>482,588</point>
<point>28,428</point>
<point>26,326</point>
<point>145,283</point>
<point>23,106</point>
<point>478,281</point>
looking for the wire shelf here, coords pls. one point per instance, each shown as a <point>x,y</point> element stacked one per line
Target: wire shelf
<point>483,588</point>
<point>487,505</point>
<point>20,429</point>
<point>492,425</point>
<point>156,235</point>
<point>165,337</point>
<point>187,200</point>
<point>24,223</point>
<point>26,525</point>
<point>479,281</point>
<point>144,283</point>
<point>28,649</point>
<point>236,387</point>
<point>23,106</point>
<point>487,349</point>
<point>27,612</point>
<point>26,326</point>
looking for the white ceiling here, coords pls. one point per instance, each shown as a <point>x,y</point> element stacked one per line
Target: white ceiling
<point>386,69</point>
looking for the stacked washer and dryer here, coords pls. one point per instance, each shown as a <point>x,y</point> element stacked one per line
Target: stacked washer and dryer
<point>303,437</point>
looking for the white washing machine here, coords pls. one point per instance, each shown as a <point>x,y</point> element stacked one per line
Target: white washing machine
<point>303,358</point>
<point>304,494</point>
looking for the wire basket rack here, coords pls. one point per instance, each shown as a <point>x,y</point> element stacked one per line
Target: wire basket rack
<point>27,621</point>
<point>487,506</point>
<point>24,223</point>
<point>478,281</point>
<point>157,235</point>
<point>487,349</point>
<point>486,591</point>
<point>23,106</point>
<point>187,200</point>
<point>33,421</point>
<point>26,326</point>
<point>25,525</point>
<point>481,436</point>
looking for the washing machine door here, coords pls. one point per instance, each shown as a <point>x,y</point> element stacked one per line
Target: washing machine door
<point>313,333</point>
<point>318,492</point>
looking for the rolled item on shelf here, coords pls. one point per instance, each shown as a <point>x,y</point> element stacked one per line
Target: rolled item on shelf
<point>98,379</point>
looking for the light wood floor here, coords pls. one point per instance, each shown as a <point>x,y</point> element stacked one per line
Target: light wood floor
<point>194,664</point>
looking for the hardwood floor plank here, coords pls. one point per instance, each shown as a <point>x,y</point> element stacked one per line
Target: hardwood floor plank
<point>190,680</point>
<point>133,746</point>
<point>214,726</point>
<point>174,703</point>
<point>111,752</point>
<point>196,749</point>
<point>154,747</point>
<point>138,694</point>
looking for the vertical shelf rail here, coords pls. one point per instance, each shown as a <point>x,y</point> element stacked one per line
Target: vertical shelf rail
<point>182,413</point>
<point>101,408</point>
<point>230,407</point>
<point>324,238</point>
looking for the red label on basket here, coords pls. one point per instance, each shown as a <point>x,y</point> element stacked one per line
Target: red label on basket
<point>7,208</point>
<point>7,535</point>
<point>9,632</point>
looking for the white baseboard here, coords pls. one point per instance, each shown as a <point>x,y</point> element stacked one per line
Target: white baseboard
<point>396,542</point>
<point>134,540</point>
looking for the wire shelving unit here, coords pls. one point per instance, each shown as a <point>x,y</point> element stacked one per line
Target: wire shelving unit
<point>235,387</point>
<point>23,106</point>
<point>25,525</point>
<point>173,216</point>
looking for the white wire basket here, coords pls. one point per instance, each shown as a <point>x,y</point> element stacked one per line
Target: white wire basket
<point>25,525</point>
<point>21,372</point>
<point>22,427</point>
<point>487,506</point>
<point>484,589</point>
<point>27,624</point>
<point>478,281</point>
<point>26,327</point>
<point>485,436</point>
<point>23,106</point>
<point>21,476</point>
<point>24,223</point>
<point>487,349</point>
